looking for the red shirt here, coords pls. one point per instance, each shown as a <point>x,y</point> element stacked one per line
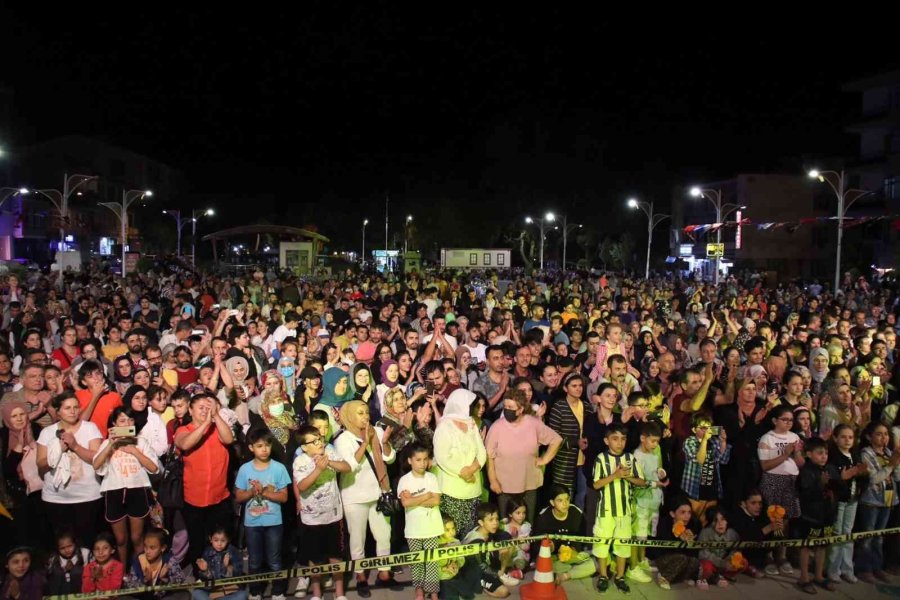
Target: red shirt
<point>186,378</point>
<point>205,469</point>
<point>105,405</point>
<point>113,573</point>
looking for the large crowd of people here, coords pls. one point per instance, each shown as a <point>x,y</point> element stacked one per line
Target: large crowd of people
<point>174,425</point>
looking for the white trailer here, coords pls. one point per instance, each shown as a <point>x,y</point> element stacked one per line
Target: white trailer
<point>475,258</point>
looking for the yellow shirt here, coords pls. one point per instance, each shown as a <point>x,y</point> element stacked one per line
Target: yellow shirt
<point>578,411</point>
<point>114,351</point>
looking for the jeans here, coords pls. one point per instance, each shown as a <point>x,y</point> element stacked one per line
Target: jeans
<point>264,547</point>
<point>204,595</point>
<point>869,555</point>
<point>840,556</point>
<point>580,488</point>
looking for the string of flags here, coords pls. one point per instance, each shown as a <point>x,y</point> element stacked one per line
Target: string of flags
<point>790,226</point>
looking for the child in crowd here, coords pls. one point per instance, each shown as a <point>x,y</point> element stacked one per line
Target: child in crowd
<point>703,457</point>
<point>516,525</point>
<point>219,560</point>
<point>562,517</point>
<point>104,573</point>
<point>815,487</point>
<point>319,499</point>
<point>847,490</point>
<point>615,472</point>
<point>493,566</point>
<point>319,420</point>
<point>154,566</point>
<point>648,499</point>
<point>718,566</point>
<point>752,525</point>
<point>678,565</point>
<point>261,485</point>
<point>21,581</point>
<point>65,568</point>
<point>420,494</point>
<point>459,579</point>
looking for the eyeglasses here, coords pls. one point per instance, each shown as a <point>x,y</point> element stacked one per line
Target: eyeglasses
<point>315,441</point>
<point>786,419</point>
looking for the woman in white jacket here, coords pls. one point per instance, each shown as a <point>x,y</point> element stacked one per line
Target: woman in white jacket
<point>366,449</point>
<point>459,454</point>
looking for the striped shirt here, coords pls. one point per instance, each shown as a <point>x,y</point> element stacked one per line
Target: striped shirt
<point>564,422</point>
<point>616,497</point>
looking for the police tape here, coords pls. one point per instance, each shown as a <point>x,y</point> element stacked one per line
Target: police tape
<point>463,550</point>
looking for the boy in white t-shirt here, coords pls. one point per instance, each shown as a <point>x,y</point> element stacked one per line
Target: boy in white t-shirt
<point>319,503</point>
<point>420,495</point>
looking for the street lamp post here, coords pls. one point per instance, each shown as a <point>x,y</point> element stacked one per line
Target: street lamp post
<point>362,255</point>
<point>181,223</point>
<point>653,219</point>
<point>547,218</point>
<point>121,211</point>
<point>565,229</point>
<point>60,200</point>
<point>195,215</point>
<point>845,199</point>
<point>715,197</point>
<point>406,234</point>
<point>8,192</point>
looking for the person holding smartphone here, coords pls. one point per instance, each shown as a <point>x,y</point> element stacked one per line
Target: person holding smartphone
<point>124,461</point>
<point>704,453</point>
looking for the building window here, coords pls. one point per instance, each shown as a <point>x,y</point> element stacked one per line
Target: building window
<point>473,259</point>
<point>487,259</point>
<point>891,188</point>
<point>501,259</point>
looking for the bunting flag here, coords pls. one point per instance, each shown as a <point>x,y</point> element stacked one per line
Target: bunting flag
<point>790,226</point>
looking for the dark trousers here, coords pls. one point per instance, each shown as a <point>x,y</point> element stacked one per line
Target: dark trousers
<point>264,548</point>
<point>201,520</point>
<point>81,518</point>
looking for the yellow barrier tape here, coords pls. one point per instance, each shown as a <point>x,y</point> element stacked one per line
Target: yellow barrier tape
<point>463,550</point>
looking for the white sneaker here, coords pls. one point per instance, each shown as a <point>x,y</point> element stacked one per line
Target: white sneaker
<point>302,587</point>
<point>256,597</point>
<point>508,581</point>
<point>638,575</point>
<point>278,597</point>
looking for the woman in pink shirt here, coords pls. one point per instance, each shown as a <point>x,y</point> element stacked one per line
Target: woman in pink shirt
<point>513,441</point>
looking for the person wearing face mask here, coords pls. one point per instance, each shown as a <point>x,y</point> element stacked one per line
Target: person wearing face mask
<point>513,452</point>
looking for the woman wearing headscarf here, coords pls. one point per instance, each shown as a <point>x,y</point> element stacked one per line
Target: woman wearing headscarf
<point>390,378</point>
<point>135,399</point>
<point>363,385</point>
<point>277,414</point>
<point>459,454</point>
<point>123,374</point>
<point>236,393</point>
<point>468,373</point>
<point>818,369</point>
<point>365,448</point>
<point>17,452</point>
<point>335,392</point>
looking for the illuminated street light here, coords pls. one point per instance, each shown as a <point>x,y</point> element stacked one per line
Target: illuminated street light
<point>653,219</point>
<point>121,210</point>
<point>547,218</point>
<point>722,212</point>
<point>845,198</point>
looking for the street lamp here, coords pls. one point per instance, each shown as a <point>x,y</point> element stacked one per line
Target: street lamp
<point>121,211</point>
<point>362,256</point>
<point>845,198</point>
<point>409,219</point>
<point>547,218</point>
<point>60,200</point>
<point>566,228</point>
<point>722,212</point>
<point>181,223</point>
<point>653,219</point>
<point>7,192</point>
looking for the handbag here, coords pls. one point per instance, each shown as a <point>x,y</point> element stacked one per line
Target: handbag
<point>171,488</point>
<point>388,504</point>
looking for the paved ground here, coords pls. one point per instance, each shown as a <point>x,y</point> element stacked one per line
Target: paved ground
<point>770,588</point>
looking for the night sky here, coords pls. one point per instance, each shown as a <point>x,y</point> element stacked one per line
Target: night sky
<point>469,118</point>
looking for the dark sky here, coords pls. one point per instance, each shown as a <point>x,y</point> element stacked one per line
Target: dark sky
<point>452,110</point>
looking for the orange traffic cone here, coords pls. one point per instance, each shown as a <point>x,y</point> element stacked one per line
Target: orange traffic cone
<point>543,587</point>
